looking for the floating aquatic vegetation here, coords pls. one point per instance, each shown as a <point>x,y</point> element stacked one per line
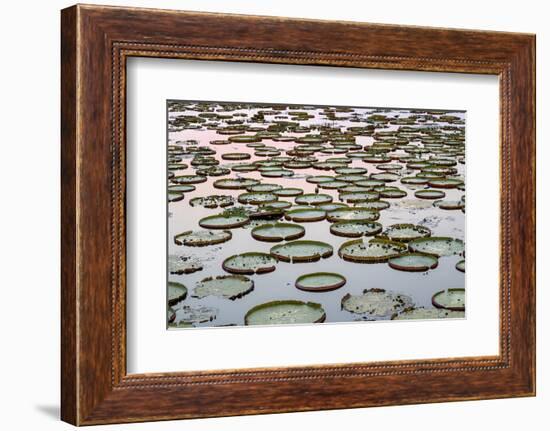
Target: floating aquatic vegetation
<point>177,292</point>
<point>189,179</point>
<point>224,286</point>
<point>428,314</point>
<point>288,192</point>
<point>353,214</point>
<point>183,264</point>
<point>437,246</point>
<point>189,316</point>
<point>223,221</point>
<point>257,198</point>
<point>461,265</point>
<point>278,232</point>
<point>450,299</point>
<point>320,282</point>
<point>429,194</point>
<point>353,229</point>
<point>375,251</point>
<point>376,303</point>
<point>250,263</point>
<point>202,238</point>
<point>313,199</point>
<point>449,204</point>
<point>406,232</point>
<point>285,312</point>
<point>415,262</point>
<point>213,201</point>
<point>301,251</point>
<point>235,183</point>
<point>305,215</point>
<point>445,183</point>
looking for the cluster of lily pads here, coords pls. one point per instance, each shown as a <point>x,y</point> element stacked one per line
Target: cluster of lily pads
<point>414,156</point>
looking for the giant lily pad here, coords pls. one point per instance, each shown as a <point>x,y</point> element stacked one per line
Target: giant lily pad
<point>428,314</point>
<point>257,198</point>
<point>313,199</point>
<point>305,215</point>
<point>201,238</point>
<point>223,221</point>
<point>278,232</point>
<point>415,262</point>
<point>437,246</point>
<point>359,197</point>
<point>212,201</point>
<point>445,183</point>
<point>177,292</point>
<point>301,251</point>
<point>376,303</point>
<point>461,265</point>
<point>354,229</point>
<point>320,282</point>
<point>406,232</point>
<point>288,192</point>
<point>189,316</point>
<point>183,264</point>
<point>249,263</point>
<point>285,312</point>
<point>450,299</point>
<point>353,214</point>
<point>429,194</point>
<point>235,183</point>
<point>189,179</point>
<point>224,286</point>
<point>376,250</point>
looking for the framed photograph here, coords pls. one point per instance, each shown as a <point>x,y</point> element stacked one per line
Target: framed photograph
<point>264,215</point>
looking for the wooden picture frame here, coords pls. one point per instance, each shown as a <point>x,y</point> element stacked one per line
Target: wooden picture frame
<point>95,43</point>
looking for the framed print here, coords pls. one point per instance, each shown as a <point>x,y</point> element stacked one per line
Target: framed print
<point>253,205</point>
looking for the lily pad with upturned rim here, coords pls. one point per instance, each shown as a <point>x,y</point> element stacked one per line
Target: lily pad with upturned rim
<point>224,286</point>
<point>353,214</point>
<point>213,201</point>
<point>189,179</point>
<point>437,246</point>
<point>320,282</point>
<point>235,183</point>
<point>222,221</point>
<point>414,262</point>
<point>177,292</point>
<point>301,251</point>
<point>285,312</point>
<point>405,232</point>
<point>353,229</point>
<point>249,263</point>
<point>257,198</point>
<point>428,314</point>
<point>376,303</point>
<point>375,251</point>
<point>274,232</point>
<point>450,299</point>
<point>305,215</point>
<point>429,194</point>
<point>461,265</point>
<point>183,264</point>
<point>288,192</point>
<point>445,183</point>
<point>202,238</point>
<point>313,199</point>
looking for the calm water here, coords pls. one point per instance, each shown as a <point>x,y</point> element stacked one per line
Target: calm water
<point>279,284</point>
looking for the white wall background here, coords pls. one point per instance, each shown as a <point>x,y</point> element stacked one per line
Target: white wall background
<point>29,228</point>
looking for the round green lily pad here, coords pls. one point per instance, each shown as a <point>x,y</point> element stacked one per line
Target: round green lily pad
<point>320,282</point>
<point>318,179</point>
<point>429,194</point>
<point>235,183</point>
<point>376,250</point>
<point>189,179</point>
<point>175,196</point>
<point>177,292</point>
<point>376,303</point>
<point>414,262</point>
<point>223,221</point>
<point>278,232</point>
<point>354,229</point>
<point>183,264</point>
<point>446,204</point>
<point>313,199</point>
<point>392,193</point>
<point>213,201</point>
<point>170,314</point>
<point>305,215</point>
<point>224,286</point>
<point>301,251</point>
<point>359,197</point>
<point>181,188</point>
<point>257,198</point>
<point>461,265</point>
<point>428,314</point>
<point>236,156</point>
<point>288,192</point>
<point>244,139</point>
<point>450,299</point>
<point>285,312</point>
<point>353,214</point>
<point>202,238</point>
<point>375,205</point>
<point>406,232</point>
<point>189,316</point>
<point>249,263</point>
<point>265,188</point>
<point>386,177</point>
<point>331,206</point>
<point>445,183</point>
<point>437,246</point>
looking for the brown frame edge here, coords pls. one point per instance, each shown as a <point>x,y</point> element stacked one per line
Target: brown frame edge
<point>95,43</point>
